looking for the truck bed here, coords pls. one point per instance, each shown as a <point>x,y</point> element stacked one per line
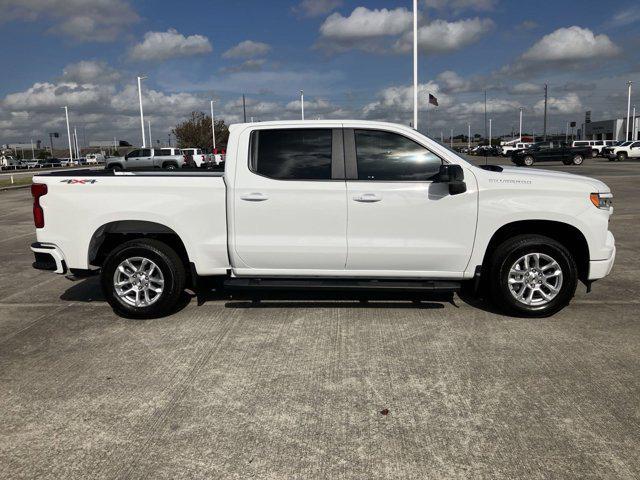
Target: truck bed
<point>81,205</point>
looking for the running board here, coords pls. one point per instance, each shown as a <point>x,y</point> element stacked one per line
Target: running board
<point>350,284</point>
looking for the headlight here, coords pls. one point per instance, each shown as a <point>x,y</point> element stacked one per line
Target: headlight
<point>602,200</point>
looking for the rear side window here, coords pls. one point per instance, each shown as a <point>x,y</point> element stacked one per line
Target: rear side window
<point>292,154</point>
<point>392,157</point>
<point>166,151</point>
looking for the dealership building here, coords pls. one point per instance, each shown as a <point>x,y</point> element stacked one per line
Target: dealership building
<point>615,129</point>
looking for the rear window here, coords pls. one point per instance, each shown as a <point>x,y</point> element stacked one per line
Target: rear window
<point>166,152</point>
<point>581,144</point>
<point>292,154</point>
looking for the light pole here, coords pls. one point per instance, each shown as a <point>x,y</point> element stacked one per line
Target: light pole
<point>144,140</point>
<point>66,114</point>
<point>415,64</point>
<point>566,135</point>
<point>490,120</point>
<point>520,123</point>
<point>629,83</point>
<point>33,152</point>
<point>634,135</point>
<point>302,103</point>
<point>75,141</point>
<point>149,125</point>
<point>213,128</point>
<point>469,136</point>
<point>451,139</point>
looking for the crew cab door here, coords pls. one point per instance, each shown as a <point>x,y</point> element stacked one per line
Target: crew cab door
<point>289,200</point>
<point>401,221</point>
<point>139,159</point>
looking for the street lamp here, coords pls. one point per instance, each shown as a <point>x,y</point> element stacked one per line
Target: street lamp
<point>144,140</point>
<point>66,114</point>
<point>520,123</point>
<point>629,83</point>
<point>213,128</point>
<point>415,64</point>
<point>302,103</point>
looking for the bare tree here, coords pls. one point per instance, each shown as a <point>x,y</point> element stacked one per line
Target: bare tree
<point>196,132</point>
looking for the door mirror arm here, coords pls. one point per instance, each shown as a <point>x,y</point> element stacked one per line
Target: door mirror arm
<point>454,176</point>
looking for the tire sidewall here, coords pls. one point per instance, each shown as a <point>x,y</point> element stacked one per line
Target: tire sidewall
<point>173,278</point>
<point>577,160</point>
<point>528,161</point>
<point>515,250</point>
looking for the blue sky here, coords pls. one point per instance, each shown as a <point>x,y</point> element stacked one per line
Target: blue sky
<point>353,59</point>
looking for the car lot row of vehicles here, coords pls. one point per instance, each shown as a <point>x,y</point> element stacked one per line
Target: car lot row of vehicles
<point>165,159</point>
<point>8,162</point>
<point>574,154</point>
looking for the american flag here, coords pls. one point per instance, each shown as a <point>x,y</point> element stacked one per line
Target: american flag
<point>433,100</point>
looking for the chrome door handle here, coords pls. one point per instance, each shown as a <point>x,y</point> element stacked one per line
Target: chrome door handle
<point>368,198</point>
<point>254,197</point>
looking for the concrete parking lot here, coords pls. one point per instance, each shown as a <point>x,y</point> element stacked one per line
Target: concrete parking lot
<point>294,388</point>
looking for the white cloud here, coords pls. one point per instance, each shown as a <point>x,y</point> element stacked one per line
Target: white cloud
<point>459,5</point>
<point>570,45</point>
<point>158,46</point>
<point>251,65</point>
<point>90,71</point>
<point>247,49</point>
<point>494,105</point>
<point>84,20</point>
<point>315,8</point>
<point>395,102</point>
<point>441,36</point>
<point>45,96</point>
<point>451,82</point>
<point>571,103</point>
<point>525,88</point>
<point>341,32</point>
<point>622,18</point>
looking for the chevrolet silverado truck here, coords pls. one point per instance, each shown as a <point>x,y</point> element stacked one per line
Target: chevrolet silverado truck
<point>145,158</point>
<point>551,152</point>
<point>329,205</point>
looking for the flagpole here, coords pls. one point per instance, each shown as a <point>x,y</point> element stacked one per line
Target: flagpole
<point>415,64</point>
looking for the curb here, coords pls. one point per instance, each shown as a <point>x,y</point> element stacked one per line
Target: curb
<point>17,187</point>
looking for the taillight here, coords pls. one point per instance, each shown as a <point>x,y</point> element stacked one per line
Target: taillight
<point>38,190</point>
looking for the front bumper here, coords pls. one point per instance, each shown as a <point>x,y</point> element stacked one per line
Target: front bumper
<point>601,268</point>
<point>48,257</point>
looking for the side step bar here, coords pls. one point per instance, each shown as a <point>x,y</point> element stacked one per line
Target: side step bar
<point>351,284</point>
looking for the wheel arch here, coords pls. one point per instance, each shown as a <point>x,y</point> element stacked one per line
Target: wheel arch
<point>110,235</point>
<point>568,235</point>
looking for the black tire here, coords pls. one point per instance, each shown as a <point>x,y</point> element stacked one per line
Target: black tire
<point>170,166</point>
<point>115,168</point>
<point>577,160</point>
<point>167,261</point>
<point>566,162</point>
<point>622,156</point>
<point>528,160</point>
<point>505,256</point>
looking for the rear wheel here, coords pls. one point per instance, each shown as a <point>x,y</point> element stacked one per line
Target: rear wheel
<point>528,160</point>
<point>170,166</point>
<point>594,153</point>
<point>115,168</point>
<point>143,278</point>
<point>577,160</point>
<point>622,156</point>
<point>532,276</point>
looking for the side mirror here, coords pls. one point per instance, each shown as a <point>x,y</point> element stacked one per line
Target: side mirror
<point>454,176</point>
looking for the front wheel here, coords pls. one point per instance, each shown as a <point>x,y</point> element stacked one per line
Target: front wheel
<point>528,160</point>
<point>622,156</point>
<point>532,276</point>
<point>577,160</point>
<point>143,278</point>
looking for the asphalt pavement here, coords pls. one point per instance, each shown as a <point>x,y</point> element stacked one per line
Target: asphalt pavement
<point>319,387</point>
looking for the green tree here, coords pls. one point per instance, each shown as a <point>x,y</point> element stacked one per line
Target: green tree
<point>196,132</point>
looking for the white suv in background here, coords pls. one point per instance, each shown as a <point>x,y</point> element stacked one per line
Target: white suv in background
<point>596,145</point>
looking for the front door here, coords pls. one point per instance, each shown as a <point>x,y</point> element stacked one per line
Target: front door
<point>401,222</point>
<point>290,212</point>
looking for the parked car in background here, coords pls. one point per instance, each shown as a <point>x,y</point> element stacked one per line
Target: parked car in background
<point>145,158</point>
<point>9,161</point>
<point>95,158</point>
<point>597,146</point>
<point>507,150</point>
<point>199,158</point>
<point>551,151</point>
<point>624,151</point>
<point>332,205</point>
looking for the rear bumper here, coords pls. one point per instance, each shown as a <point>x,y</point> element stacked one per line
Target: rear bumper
<point>48,257</point>
<point>601,268</point>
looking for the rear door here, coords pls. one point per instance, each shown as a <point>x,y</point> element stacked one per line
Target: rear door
<point>289,200</point>
<point>402,223</point>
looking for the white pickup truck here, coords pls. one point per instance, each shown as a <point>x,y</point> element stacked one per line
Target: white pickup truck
<point>623,151</point>
<point>328,204</point>
<point>148,158</point>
